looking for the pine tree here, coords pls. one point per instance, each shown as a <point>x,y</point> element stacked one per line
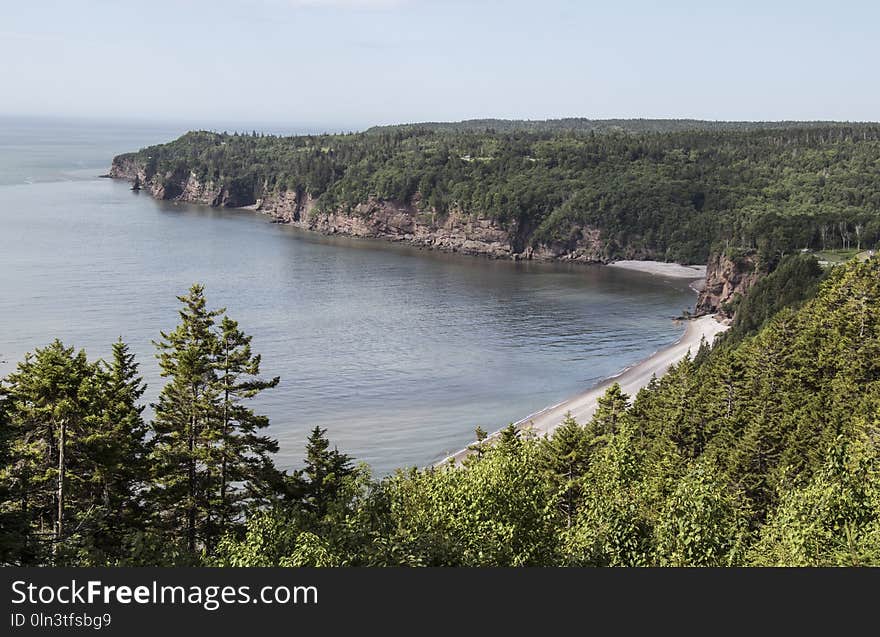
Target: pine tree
<point>509,439</point>
<point>479,447</point>
<point>324,475</point>
<point>565,458</point>
<point>116,447</point>
<point>609,413</point>
<point>244,454</point>
<point>12,524</point>
<point>47,408</point>
<point>186,422</point>
<point>211,462</point>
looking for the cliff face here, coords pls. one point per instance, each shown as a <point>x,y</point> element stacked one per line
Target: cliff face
<point>178,185</point>
<point>455,231</point>
<point>726,279</point>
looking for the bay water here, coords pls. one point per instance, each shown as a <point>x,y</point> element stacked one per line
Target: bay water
<point>399,352</point>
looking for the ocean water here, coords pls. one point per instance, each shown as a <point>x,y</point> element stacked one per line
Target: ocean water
<point>399,352</point>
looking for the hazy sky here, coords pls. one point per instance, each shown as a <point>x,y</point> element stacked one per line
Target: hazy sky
<point>353,63</point>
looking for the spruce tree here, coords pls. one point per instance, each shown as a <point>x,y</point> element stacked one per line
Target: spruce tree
<point>244,454</point>
<point>479,447</point>
<point>565,458</point>
<point>116,447</point>
<point>608,415</point>
<point>211,461</point>
<point>12,524</point>
<point>47,407</point>
<point>186,422</point>
<point>509,438</point>
<point>323,477</point>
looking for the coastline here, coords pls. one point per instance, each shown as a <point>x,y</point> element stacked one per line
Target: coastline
<point>631,380</point>
<point>479,237</point>
<point>452,231</point>
<point>659,268</point>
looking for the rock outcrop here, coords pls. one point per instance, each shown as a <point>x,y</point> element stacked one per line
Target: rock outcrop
<point>726,279</point>
<point>453,231</point>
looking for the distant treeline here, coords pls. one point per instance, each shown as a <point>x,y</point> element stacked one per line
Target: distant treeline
<point>583,124</point>
<point>773,187</point>
<point>760,451</point>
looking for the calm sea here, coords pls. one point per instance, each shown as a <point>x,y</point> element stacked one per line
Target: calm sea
<point>398,352</point>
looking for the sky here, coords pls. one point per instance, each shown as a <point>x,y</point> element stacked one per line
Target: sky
<point>349,64</point>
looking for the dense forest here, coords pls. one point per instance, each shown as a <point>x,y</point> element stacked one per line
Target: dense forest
<point>583,124</point>
<point>762,450</point>
<point>673,190</point>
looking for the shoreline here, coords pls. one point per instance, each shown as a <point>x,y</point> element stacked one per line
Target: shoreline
<point>395,222</point>
<point>660,268</point>
<point>631,379</point>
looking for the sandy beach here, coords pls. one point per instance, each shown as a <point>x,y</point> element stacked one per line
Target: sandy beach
<point>631,380</point>
<point>659,268</point>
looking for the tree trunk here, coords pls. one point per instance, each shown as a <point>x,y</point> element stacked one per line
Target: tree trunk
<point>223,469</point>
<point>191,512</point>
<point>62,467</point>
<point>25,489</point>
<point>569,513</point>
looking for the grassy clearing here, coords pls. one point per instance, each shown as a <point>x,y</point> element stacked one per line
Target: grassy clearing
<point>836,256</point>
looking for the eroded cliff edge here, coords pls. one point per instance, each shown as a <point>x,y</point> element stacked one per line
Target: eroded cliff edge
<point>454,231</point>
<point>727,277</point>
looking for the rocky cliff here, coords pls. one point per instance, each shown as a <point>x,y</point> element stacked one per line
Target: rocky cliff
<point>727,278</point>
<point>454,231</point>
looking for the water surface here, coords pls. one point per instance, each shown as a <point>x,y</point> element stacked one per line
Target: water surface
<point>399,352</point>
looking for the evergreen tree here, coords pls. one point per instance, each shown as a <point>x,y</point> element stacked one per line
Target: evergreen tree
<point>611,409</point>
<point>763,452</point>
<point>47,408</point>
<point>12,524</point>
<point>186,424</point>
<point>834,519</point>
<point>323,477</point>
<point>479,447</point>
<point>117,449</point>
<point>244,454</point>
<point>510,438</point>
<point>211,461</point>
<point>565,457</point>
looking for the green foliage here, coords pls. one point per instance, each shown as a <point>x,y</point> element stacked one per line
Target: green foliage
<point>702,522</point>
<point>320,483</point>
<point>208,460</point>
<point>310,550</point>
<point>564,458</point>
<point>245,455</point>
<point>116,441</point>
<point>185,425</point>
<point>269,538</point>
<point>794,280</point>
<point>74,449</point>
<point>584,125</point>
<point>765,451</point>
<point>610,413</point>
<point>614,526</point>
<point>670,190</point>
<point>833,519</point>
<point>494,512</point>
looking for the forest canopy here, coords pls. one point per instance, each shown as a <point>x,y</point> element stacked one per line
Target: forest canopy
<point>761,450</point>
<point>673,190</point>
